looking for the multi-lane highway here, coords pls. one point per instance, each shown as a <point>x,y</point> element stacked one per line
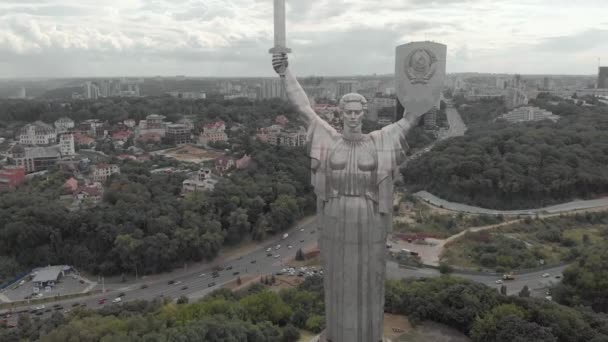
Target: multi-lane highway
<point>196,282</point>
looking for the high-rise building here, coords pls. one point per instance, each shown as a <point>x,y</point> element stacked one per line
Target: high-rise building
<point>90,90</point>
<point>344,87</point>
<point>271,89</point>
<point>602,78</point>
<point>66,144</point>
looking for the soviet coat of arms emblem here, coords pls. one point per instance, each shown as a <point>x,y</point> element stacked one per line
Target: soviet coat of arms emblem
<point>420,66</point>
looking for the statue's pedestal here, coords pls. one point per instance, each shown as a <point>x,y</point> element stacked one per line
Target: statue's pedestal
<point>321,338</point>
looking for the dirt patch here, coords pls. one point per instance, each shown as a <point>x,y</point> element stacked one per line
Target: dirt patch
<point>189,153</point>
<point>246,281</point>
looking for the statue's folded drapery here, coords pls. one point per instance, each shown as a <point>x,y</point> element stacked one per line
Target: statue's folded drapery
<point>353,181</point>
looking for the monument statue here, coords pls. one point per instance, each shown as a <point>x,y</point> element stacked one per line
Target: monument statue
<point>352,174</point>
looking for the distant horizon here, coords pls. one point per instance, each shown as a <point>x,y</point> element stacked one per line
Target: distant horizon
<point>231,38</point>
<point>272,77</point>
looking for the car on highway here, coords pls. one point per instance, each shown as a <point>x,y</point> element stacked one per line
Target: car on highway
<point>102,301</point>
<point>177,282</point>
<point>289,246</point>
<point>215,274</point>
<point>301,229</point>
<point>75,305</point>
<point>117,300</point>
<point>40,307</point>
<point>268,254</point>
<point>277,247</point>
<point>202,274</point>
<point>268,249</point>
<point>253,261</point>
<point>302,241</point>
<point>499,281</point>
<point>277,256</point>
<point>546,275</point>
<point>122,294</point>
<point>171,282</point>
<point>144,286</point>
<point>558,276</point>
<point>313,231</point>
<point>228,268</point>
<point>211,285</point>
<point>58,308</point>
<point>285,236</point>
<point>184,288</point>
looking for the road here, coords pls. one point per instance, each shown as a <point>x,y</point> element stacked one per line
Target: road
<point>457,128</point>
<point>197,282</point>
<point>535,280</point>
<point>554,209</point>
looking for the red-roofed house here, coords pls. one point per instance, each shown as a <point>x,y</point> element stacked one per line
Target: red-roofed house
<point>11,177</point>
<point>121,136</point>
<point>150,137</point>
<point>281,120</point>
<point>244,162</point>
<point>83,140</point>
<point>213,132</point>
<point>71,185</point>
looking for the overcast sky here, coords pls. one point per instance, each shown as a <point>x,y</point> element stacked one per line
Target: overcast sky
<point>74,38</point>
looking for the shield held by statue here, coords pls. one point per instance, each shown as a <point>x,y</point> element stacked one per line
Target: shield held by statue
<point>420,75</point>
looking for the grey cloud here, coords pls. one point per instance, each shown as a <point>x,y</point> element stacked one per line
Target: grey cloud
<point>54,11</point>
<point>574,43</point>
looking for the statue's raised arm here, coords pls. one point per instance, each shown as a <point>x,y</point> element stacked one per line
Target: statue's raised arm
<point>295,93</point>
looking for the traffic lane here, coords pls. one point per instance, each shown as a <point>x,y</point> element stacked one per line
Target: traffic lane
<point>534,280</point>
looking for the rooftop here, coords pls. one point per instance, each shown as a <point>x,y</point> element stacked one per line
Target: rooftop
<point>49,273</point>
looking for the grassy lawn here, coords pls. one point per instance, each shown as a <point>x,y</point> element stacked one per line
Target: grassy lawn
<point>415,216</point>
<point>524,244</point>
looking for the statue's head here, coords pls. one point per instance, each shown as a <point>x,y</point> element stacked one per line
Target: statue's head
<point>352,108</point>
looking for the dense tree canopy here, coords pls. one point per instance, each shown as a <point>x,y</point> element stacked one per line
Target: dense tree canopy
<point>509,166</point>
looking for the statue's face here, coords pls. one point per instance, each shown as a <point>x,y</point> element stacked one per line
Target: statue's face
<point>352,115</point>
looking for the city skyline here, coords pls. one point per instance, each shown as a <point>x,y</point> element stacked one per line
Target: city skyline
<point>230,38</point>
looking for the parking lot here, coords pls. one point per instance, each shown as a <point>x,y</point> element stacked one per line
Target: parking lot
<point>67,285</point>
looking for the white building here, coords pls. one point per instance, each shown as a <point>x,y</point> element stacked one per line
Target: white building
<point>203,181</point>
<point>101,172</point>
<point>64,124</point>
<point>523,114</point>
<point>90,90</point>
<point>213,132</point>
<point>66,144</point>
<point>37,133</point>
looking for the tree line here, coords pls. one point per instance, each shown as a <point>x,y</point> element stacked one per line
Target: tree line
<point>517,166</point>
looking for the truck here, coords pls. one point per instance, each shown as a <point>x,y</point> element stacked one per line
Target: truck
<point>508,276</point>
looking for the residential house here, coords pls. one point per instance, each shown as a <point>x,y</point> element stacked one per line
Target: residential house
<point>64,125</point>
<point>203,181</point>
<point>83,140</point>
<point>224,163</point>
<point>11,177</point>
<point>71,185</point>
<point>37,133</point>
<point>213,132</point>
<point>35,159</point>
<point>101,172</point>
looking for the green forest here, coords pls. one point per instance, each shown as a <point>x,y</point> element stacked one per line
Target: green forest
<point>258,314</point>
<point>253,315</point>
<point>142,222</point>
<point>518,166</point>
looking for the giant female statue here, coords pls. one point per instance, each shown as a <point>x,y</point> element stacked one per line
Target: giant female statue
<point>352,174</point>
